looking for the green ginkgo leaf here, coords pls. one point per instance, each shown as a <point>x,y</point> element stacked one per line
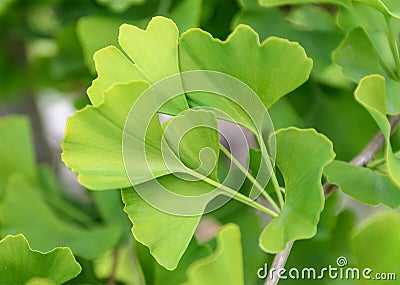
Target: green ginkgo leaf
<point>357,56</point>
<point>389,8</point>
<point>152,63</point>
<point>301,156</point>
<point>166,235</point>
<point>19,264</point>
<point>244,57</point>
<point>273,21</point>
<point>195,146</point>
<point>92,145</point>
<point>363,184</point>
<point>225,265</point>
<point>371,94</point>
<point>152,56</point>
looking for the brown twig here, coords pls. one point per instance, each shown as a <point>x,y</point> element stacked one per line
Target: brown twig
<point>366,155</point>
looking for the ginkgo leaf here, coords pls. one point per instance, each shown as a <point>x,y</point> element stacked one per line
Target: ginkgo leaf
<point>301,157</point>
<point>244,57</point>
<point>187,137</point>
<point>273,21</point>
<point>371,94</point>
<point>194,139</point>
<point>152,63</point>
<point>363,184</point>
<point>166,235</point>
<point>225,265</point>
<point>155,58</point>
<point>357,55</point>
<point>250,226</point>
<point>19,264</point>
<point>389,8</point>
<point>92,145</point>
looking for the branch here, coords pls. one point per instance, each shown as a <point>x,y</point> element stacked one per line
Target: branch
<point>368,153</point>
<point>364,157</point>
<point>278,263</point>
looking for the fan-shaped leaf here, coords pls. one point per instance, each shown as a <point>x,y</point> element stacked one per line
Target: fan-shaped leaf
<point>19,264</point>
<point>301,157</point>
<point>243,57</point>
<point>225,265</point>
<point>371,94</point>
<point>166,235</point>
<point>363,184</point>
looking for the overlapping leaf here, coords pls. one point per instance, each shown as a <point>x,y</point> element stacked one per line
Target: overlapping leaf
<point>19,264</point>
<point>186,14</point>
<point>225,265</point>
<point>389,8</point>
<point>155,58</point>
<point>145,63</point>
<point>251,226</point>
<point>93,141</point>
<point>152,63</point>
<point>243,57</point>
<point>166,235</point>
<point>371,94</point>
<point>301,157</point>
<point>108,172</point>
<point>92,145</point>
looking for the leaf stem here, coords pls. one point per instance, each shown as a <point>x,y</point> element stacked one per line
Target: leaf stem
<point>274,180</point>
<point>277,187</point>
<point>236,195</point>
<point>393,45</point>
<point>279,262</point>
<point>250,177</point>
<point>378,162</point>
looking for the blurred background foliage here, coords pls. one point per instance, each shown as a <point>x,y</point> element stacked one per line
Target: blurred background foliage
<point>46,65</point>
